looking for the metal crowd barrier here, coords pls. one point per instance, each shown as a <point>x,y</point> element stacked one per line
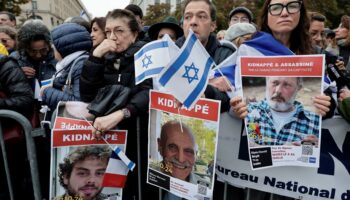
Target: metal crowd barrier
<point>31,152</point>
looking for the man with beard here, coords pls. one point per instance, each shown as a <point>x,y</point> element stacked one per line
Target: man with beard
<point>280,119</point>
<point>81,172</point>
<point>178,148</point>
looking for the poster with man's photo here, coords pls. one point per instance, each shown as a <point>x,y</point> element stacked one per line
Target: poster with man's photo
<point>182,146</point>
<point>83,167</point>
<point>282,124</point>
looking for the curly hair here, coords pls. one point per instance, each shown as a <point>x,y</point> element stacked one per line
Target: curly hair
<point>80,154</point>
<point>31,31</point>
<point>300,42</point>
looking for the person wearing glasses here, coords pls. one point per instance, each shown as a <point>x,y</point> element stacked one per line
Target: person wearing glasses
<point>240,15</point>
<point>112,64</point>
<point>8,38</point>
<point>287,22</point>
<point>36,58</point>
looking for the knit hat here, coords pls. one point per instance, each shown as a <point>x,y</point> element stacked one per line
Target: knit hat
<point>238,30</point>
<point>71,37</point>
<point>242,10</point>
<point>168,22</point>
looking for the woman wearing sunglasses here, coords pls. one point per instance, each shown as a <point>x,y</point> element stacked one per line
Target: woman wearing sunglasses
<point>287,22</point>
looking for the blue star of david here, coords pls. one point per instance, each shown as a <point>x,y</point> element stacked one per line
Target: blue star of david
<point>191,76</point>
<point>146,61</point>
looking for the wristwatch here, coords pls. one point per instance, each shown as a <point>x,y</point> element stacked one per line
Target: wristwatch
<point>126,113</point>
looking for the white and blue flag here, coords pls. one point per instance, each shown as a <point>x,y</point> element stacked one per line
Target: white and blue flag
<point>186,77</point>
<point>262,44</point>
<point>152,58</point>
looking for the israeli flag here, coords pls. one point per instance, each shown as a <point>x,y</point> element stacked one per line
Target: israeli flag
<point>186,77</point>
<point>152,58</point>
<point>262,44</point>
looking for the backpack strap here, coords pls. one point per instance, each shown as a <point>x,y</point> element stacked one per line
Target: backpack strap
<point>69,77</point>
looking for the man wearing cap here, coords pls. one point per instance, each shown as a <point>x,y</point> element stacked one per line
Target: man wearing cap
<point>240,15</point>
<point>168,26</point>
<point>239,33</point>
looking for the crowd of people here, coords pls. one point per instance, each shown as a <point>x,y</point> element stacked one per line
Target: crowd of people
<point>94,62</point>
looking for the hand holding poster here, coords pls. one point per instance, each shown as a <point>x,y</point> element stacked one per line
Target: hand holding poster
<point>80,164</point>
<point>282,126</point>
<point>329,181</point>
<point>182,146</point>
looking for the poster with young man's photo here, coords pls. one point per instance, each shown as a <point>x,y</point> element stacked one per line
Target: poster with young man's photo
<point>282,125</point>
<point>182,146</point>
<point>81,165</point>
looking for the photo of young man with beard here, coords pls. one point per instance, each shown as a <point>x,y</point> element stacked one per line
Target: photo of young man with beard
<point>280,119</point>
<point>177,146</point>
<point>81,173</point>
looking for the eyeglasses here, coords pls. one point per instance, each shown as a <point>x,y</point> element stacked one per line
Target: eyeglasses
<point>240,20</point>
<point>117,32</point>
<point>42,51</point>
<point>277,8</point>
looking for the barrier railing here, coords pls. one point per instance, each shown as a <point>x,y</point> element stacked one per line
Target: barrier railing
<point>31,151</point>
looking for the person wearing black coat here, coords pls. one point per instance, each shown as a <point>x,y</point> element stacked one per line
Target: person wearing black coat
<point>72,44</point>
<point>16,95</point>
<point>13,84</point>
<point>110,68</point>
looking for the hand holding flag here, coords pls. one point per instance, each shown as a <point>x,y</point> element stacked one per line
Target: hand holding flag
<point>186,77</point>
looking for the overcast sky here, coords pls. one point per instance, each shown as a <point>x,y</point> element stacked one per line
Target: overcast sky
<point>99,8</point>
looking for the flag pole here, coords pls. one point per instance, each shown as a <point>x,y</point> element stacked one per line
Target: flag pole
<point>178,112</point>
<point>131,165</point>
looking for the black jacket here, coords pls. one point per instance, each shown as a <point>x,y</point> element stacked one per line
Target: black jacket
<point>100,72</point>
<point>14,84</point>
<point>219,53</point>
<point>44,69</point>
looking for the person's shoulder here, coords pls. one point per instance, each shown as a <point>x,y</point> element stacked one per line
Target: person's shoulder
<point>223,50</point>
<point>133,48</point>
<point>225,45</point>
<point>8,61</point>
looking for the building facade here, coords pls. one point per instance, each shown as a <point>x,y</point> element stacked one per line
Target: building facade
<point>52,12</point>
<point>145,3</point>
